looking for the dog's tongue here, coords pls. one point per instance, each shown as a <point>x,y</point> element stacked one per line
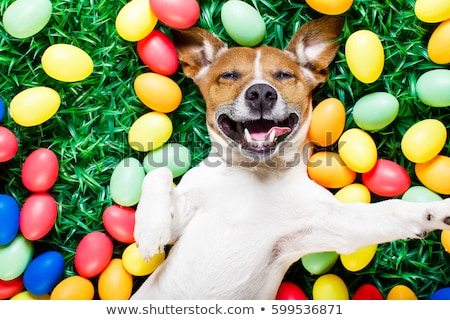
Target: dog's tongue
<point>264,135</point>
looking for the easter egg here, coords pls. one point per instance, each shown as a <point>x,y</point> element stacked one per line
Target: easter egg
<point>365,55</point>
<point>319,262</point>
<point>93,254</point>
<point>439,44</point>
<point>354,192</point>
<point>401,292</point>
<point>367,292</point>
<point>433,88</point>
<point>420,194</point>
<point>2,109</point>
<point>119,223</point>
<point>25,18</point>
<point>387,179</point>
<point>135,20</point>
<point>327,122</point>
<point>441,294</point>
<point>65,62</point>
<point>243,23</point>
<point>40,170</point>
<point>34,106</point>
<point>290,291</point>
<point>126,181</point>
<point>115,283</point>
<point>9,219</point>
<point>158,53</point>
<point>174,156</point>
<point>157,92</point>
<point>38,216</point>
<point>424,140</point>
<point>10,288</point>
<point>25,295</point>
<point>375,111</point>
<point>73,288</point>
<point>15,257</point>
<point>445,239</point>
<point>178,14</point>
<point>435,174</point>
<point>330,7</point>
<point>8,144</point>
<point>432,10</point>
<point>150,131</point>
<point>358,150</point>
<point>327,169</point>
<point>359,259</point>
<point>134,263</point>
<point>44,273</point>
<point>330,287</point>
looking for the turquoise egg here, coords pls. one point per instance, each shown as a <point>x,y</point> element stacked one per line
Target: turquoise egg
<point>433,88</point>
<point>174,156</point>
<point>420,194</point>
<point>15,257</point>
<point>320,262</point>
<point>375,111</point>
<point>126,181</point>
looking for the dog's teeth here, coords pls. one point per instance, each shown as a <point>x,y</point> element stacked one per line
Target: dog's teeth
<point>248,136</point>
<point>272,136</point>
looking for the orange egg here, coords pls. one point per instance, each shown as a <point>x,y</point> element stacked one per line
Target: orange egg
<point>327,123</point>
<point>115,283</point>
<point>327,169</point>
<point>401,292</point>
<point>73,288</point>
<point>445,239</point>
<point>435,174</point>
<point>439,44</point>
<point>330,7</point>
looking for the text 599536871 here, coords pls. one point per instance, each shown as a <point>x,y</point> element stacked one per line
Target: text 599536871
<point>306,309</point>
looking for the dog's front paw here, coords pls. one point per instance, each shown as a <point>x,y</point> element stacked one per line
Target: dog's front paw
<point>152,239</point>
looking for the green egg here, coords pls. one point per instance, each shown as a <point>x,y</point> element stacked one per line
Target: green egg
<point>375,111</point>
<point>433,88</point>
<point>15,257</point>
<point>126,181</point>
<point>420,194</point>
<point>174,156</point>
<point>319,263</point>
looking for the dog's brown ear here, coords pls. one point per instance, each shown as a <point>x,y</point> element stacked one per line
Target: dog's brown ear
<point>314,46</point>
<point>197,49</point>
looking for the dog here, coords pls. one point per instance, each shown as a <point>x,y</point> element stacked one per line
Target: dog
<point>244,215</point>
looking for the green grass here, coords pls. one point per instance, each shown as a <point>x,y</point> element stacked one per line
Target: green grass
<point>89,132</point>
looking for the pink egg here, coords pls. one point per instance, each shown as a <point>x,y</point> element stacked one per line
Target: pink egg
<point>40,170</point>
<point>290,291</point>
<point>38,216</point>
<point>119,223</point>
<point>8,144</point>
<point>158,53</point>
<point>387,179</point>
<point>178,14</point>
<point>93,254</point>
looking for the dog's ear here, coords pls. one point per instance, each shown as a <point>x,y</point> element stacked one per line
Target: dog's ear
<point>314,45</point>
<point>197,49</point>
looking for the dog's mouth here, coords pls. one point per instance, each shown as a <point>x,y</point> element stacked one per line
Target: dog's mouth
<point>258,136</point>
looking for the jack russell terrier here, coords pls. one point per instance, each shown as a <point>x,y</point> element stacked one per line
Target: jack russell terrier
<point>249,210</point>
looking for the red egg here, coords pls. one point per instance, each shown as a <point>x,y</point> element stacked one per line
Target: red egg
<point>119,223</point>
<point>8,144</point>
<point>289,291</point>
<point>158,53</point>
<point>38,216</point>
<point>11,287</point>
<point>367,292</point>
<point>178,14</point>
<point>40,170</point>
<point>387,179</point>
<point>93,254</point>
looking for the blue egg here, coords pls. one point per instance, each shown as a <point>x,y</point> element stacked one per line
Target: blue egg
<point>2,109</point>
<point>44,273</point>
<point>441,294</point>
<point>9,219</point>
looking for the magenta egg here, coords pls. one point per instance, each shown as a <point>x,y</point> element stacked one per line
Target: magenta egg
<point>178,14</point>
<point>290,291</point>
<point>387,179</point>
<point>93,254</point>
<point>38,216</point>
<point>8,144</point>
<point>40,170</point>
<point>119,223</point>
<point>367,292</point>
<point>158,53</point>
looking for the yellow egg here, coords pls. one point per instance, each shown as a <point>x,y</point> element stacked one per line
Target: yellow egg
<point>330,287</point>
<point>439,44</point>
<point>327,169</point>
<point>435,174</point>
<point>330,7</point>
<point>359,259</point>
<point>65,62</point>
<point>432,11</point>
<point>135,264</point>
<point>424,140</point>
<point>365,55</point>
<point>73,288</point>
<point>158,92</point>
<point>445,239</point>
<point>358,150</point>
<point>327,122</point>
<point>401,292</point>
<point>26,295</point>
<point>135,20</point>
<point>355,192</point>
<point>115,283</point>
<point>34,106</point>
<point>150,131</point>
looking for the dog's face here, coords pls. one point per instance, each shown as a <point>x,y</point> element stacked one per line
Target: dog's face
<point>259,99</point>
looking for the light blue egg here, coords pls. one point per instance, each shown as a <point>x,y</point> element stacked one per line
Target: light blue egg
<point>126,181</point>
<point>433,88</point>
<point>174,156</point>
<point>15,257</point>
<point>375,111</point>
<point>420,194</point>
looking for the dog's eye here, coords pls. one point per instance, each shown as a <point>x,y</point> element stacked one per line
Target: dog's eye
<point>283,75</point>
<point>230,75</point>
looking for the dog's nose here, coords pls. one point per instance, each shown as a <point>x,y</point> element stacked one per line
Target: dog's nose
<point>261,97</point>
